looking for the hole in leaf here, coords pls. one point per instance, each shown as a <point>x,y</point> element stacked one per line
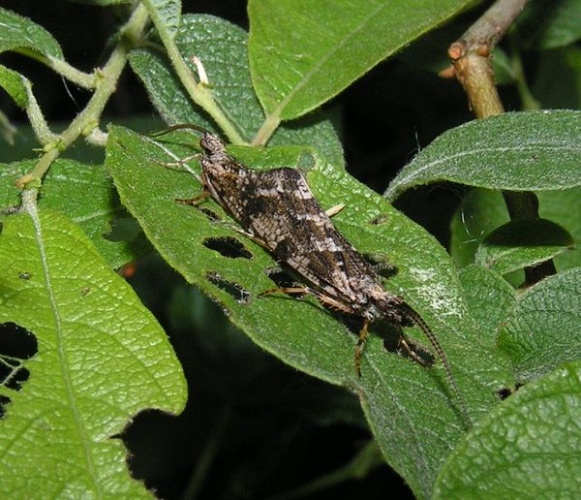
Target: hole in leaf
<point>4,401</point>
<point>281,278</point>
<point>17,342</point>
<point>237,291</point>
<point>380,219</point>
<point>228,247</point>
<point>211,215</point>
<point>16,346</point>
<point>506,392</point>
<point>394,340</point>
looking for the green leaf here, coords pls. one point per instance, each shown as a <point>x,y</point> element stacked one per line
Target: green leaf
<point>490,299</point>
<point>193,312</point>
<point>528,447</point>
<point>165,14</point>
<point>102,358</point>
<point>14,83</point>
<point>85,194</point>
<point>398,396</point>
<point>566,63</point>
<point>560,26</point>
<point>221,46</point>
<point>304,52</point>
<point>544,328</point>
<point>522,243</point>
<point>528,151</point>
<point>482,211</point>
<point>20,33</point>
<point>564,207</point>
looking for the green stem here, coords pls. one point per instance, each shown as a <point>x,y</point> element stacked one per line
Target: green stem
<point>72,74</point>
<point>63,68</point>
<point>198,92</point>
<point>527,99</point>
<point>266,130</point>
<point>106,83</point>
<point>36,118</point>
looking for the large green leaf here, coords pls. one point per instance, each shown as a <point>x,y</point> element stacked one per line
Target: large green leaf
<point>482,211</point>
<point>304,52</point>
<point>528,447</point>
<point>561,24</point>
<point>526,151</point>
<point>490,299</point>
<point>165,14</point>
<point>85,194</point>
<point>544,328</point>
<point>101,358</point>
<point>411,409</point>
<point>16,85</point>
<point>522,243</point>
<point>221,46</point>
<point>20,33</point>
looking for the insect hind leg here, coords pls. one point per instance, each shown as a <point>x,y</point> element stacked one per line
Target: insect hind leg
<point>331,304</point>
<point>360,346</point>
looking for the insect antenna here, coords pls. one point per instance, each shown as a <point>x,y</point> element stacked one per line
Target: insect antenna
<point>182,162</point>
<point>422,325</point>
<point>180,126</point>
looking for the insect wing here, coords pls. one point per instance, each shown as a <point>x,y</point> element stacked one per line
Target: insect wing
<point>294,227</point>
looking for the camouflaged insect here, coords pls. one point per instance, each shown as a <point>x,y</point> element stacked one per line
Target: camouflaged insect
<point>277,209</point>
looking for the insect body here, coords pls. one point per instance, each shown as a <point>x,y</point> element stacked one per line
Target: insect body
<point>278,210</point>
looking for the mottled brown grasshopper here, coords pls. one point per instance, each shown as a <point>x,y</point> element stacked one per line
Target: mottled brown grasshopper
<point>277,209</point>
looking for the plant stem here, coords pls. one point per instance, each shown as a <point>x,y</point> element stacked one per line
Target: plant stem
<point>63,68</point>
<point>36,118</point>
<point>472,66</point>
<point>88,119</point>
<point>470,56</point>
<point>198,92</point>
<point>526,97</point>
<point>72,74</point>
<point>266,130</point>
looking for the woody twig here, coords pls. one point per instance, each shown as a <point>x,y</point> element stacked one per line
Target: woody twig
<point>471,56</point>
<point>472,66</point>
